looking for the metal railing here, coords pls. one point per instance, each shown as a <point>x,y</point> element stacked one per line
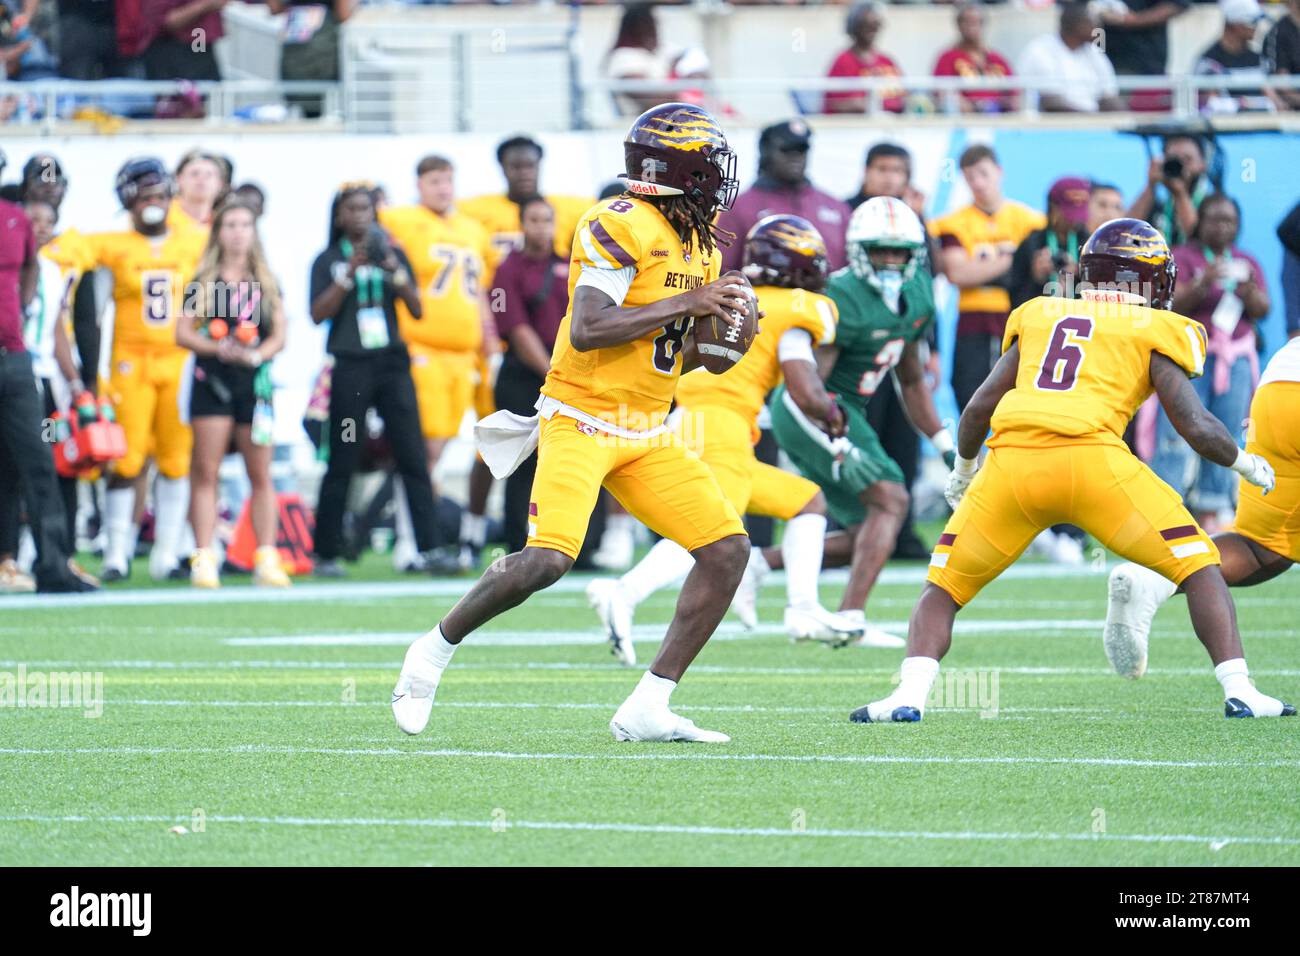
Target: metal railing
<point>1173,97</point>
<point>48,104</point>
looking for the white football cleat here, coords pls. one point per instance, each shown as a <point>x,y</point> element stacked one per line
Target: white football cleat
<point>1134,594</point>
<point>416,685</point>
<point>871,636</point>
<point>745,601</point>
<point>818,624</point>
<point>606,596</point>
<point>203,569</point>
<point>635,721</point>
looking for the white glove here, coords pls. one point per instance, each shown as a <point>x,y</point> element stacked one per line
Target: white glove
<point>959,479</point>
<point>1256,470</point>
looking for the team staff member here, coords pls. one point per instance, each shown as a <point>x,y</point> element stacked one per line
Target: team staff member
<point>20,409</point>
<point>976,245</point>
<point>235,327</point>
<point>150,264</point>
<point>532,287</point>
<point>450,254</point>
<point>356,283</point>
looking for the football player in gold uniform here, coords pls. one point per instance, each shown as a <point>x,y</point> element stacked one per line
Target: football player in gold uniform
<point>1264,540</point>
<point>643,266</point>
<point>1072,374</point>
<point>150,265</point>
<point>785,259</point>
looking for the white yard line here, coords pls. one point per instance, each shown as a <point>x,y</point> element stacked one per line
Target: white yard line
<point>315,592</point>
<point>1214,843</point>
<point>654,754</point>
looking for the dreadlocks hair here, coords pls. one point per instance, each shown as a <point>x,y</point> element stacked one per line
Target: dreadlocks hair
<point>693,224</point>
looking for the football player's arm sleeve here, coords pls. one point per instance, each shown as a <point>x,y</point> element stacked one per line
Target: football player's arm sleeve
<point>974,425</point>
<point>607,250</point>
<point>85,327</point>
<point>1202,431</point>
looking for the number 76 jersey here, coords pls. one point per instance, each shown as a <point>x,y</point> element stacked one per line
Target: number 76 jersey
<point>1085,368</point>
<point>627,249</point>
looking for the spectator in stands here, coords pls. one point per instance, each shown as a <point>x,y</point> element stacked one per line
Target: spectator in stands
<point>976,245</point>
<point>1281,51</point>
<point>863,26</point>
<point>529,297</point>
<point>1176,184</point>
<point>782,186</point>
<point>1288,231</point>
<point>1047,256</point>
<point>1082,79</point>
<point>637,56</point>
<point>310,50</point>
<point>1223,288</point>
<point>88,46</point>
<point>971,59</point>
<point>234,323</point>
<point>355,284</point>
<point>184,43</point>
<point>1232,58</point>
<point>29,57</point>
<point>25,458</point>
<point>1137,35</point>
<point>1105,202</point>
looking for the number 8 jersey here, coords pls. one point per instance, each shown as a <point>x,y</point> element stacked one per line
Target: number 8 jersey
<point>628,250</point>
<point>1085,368</point>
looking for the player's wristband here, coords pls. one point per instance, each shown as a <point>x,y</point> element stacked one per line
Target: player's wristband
<point>942,441</point>
<point>966,466</point>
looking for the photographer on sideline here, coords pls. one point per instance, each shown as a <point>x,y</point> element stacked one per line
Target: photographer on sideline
<point>1176,184</point>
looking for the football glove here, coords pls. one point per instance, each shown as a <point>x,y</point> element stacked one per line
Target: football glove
<point>1255,469</point>
<point>849,465</point>
<point>963,473</point>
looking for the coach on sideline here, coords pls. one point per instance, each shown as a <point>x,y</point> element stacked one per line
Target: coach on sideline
<point>22,450</point>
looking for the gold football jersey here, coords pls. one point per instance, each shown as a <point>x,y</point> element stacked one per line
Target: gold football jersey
<point>499,215</point>
<point>149,279</point>
<point>1085,368</point>
<point>631,385</point>
<point>450,256</point>
<point>744,387</point>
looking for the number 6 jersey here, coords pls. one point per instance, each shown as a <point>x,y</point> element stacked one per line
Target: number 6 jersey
<point>627,249</point>
<point>1085,368</point>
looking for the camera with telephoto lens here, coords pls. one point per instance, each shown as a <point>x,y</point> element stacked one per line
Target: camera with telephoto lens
<point>377,247</point>
<point>1061,261</point>
<point>1172,168</point>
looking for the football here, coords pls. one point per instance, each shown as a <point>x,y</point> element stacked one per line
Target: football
<point>722,344</point>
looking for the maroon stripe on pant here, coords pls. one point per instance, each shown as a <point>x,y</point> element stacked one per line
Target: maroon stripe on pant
<point>1182,531</point>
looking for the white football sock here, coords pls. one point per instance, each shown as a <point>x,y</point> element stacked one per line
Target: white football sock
<point>653,691</point>
<point>917,676</point>
<point>801,551</point>
<point>171,502</point>
<point>119,504</point>
<point>1234,676</point>
<point>404,550</point>
<point>663,564</point>
<point>438,649</point>
<point>473,529</point>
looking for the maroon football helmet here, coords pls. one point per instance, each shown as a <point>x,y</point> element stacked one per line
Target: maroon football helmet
<point>676,149</point>
<point>786,251</point>
<point>1130,255</point>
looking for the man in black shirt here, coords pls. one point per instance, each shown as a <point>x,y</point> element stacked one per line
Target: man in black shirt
<point>1047,256</point>
<point>355,284</point>
<point>1282,53</point>
<point>1231,57</point>
<point>1137,38</point>
<point>88,41</point>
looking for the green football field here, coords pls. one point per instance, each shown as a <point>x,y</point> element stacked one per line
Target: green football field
<point>260,723</point>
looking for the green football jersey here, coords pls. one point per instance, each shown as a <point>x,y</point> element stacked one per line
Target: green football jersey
<point>869,336</point>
